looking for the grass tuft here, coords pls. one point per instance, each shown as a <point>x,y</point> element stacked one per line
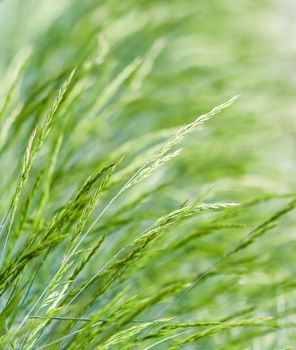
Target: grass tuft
<point>126,222</point>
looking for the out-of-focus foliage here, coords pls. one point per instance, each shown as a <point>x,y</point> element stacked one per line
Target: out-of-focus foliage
<point>144,205</point>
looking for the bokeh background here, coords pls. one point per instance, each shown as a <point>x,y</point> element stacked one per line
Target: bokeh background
<point>200,53</point>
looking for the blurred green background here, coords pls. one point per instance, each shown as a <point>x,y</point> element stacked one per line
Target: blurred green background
<point>202,53</point>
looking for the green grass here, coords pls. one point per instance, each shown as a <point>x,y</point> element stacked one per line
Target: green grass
<point>147,175</point>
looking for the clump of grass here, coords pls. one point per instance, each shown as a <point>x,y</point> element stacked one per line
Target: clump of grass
<point>143,206</point>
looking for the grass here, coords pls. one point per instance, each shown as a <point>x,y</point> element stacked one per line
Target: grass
<point>148,193</point>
